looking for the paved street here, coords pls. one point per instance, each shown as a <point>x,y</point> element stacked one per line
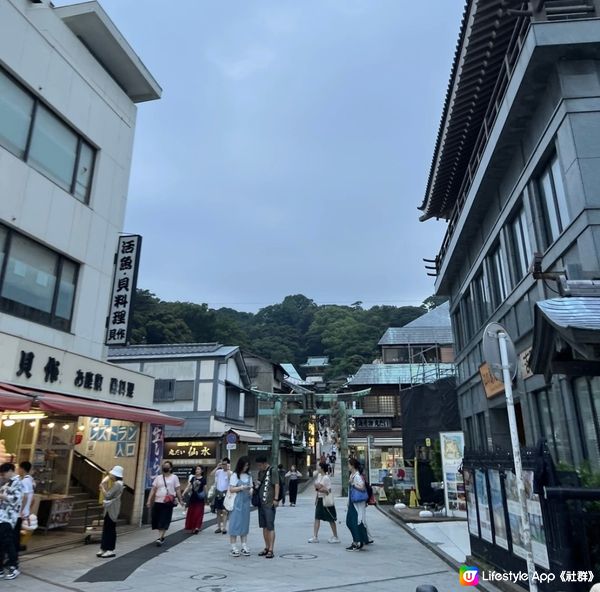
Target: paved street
<point>395,562</point>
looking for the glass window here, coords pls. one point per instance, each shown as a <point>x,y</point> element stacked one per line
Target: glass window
<point>481,293</point>
<point>482,430</point>
<point>30,274</point>
<point>35,282</point>
<point>370,404</point>
<point>587,394</point>
<point>53,148</point>
<point>16,107</point>
<point>520,245</point>
<point>387,404</point>
<point>66,290</point>
<point>467,314</point>
<point>553,201</point>
<point>83,177</point>
<point>497,269</point>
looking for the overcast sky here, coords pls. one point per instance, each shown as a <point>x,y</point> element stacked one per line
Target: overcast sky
<point>290,149</point>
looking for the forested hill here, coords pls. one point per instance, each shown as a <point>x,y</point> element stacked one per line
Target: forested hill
<point>286,332</point>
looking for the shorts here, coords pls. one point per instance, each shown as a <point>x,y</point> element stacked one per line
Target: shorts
<point>219,499</point>
<point>266,517</point>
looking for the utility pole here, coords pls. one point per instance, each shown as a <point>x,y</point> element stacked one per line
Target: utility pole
<point>343,422</point>
<point>276,431</point>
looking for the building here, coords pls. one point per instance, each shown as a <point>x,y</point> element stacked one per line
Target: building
<point>418,353</point>
<point>515,175</point>
<point>69,88</point>
<point>314,371</point>
<point>207,385</point>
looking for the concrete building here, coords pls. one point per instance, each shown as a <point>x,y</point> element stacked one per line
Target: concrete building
<point>207,385</point>
<point>514,173</point>
<point>69,88</point>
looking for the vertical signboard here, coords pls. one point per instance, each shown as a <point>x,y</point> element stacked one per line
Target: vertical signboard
<point>498,509</point>
<point>483,505</point>
<point>156,444</point>
<point>123,291</point>
<point>452,446</point>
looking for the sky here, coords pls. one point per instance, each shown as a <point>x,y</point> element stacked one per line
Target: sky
<point>290,149</point>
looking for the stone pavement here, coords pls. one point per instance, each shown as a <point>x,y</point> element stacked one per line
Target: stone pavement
<point>395,562</point>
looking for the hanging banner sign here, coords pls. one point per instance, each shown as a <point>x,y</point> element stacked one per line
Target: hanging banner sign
<point>127,262</point>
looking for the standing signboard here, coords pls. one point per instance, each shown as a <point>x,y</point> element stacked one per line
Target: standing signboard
<point>452,446</point>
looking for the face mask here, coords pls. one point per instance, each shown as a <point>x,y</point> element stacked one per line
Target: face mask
<point>166,470</point>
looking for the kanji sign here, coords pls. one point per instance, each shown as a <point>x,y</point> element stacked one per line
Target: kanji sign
<point>192,450</point>
<point>123,292</point>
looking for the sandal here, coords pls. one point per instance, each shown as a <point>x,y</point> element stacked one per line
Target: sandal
<point>263,552</point>
<point>269,555</point>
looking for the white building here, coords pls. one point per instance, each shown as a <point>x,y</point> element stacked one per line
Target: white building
<point>69,85</point>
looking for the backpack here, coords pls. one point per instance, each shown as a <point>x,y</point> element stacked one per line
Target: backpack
<point>371,501</point>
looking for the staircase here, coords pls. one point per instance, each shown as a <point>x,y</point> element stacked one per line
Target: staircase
<point>83,504</point>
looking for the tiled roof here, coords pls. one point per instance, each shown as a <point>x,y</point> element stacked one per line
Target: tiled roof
<point>316,362</point>
<point>433,327</point>
<point>369,374</point>
<point>291,371</point>
<point>179,350</point>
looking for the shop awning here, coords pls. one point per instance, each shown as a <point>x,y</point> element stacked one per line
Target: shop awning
<point>14,399</point>
<point>566,337</point>
<point>247,436</point>
<point>89,408</point>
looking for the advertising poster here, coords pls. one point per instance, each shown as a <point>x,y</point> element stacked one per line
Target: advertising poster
<point>514,515</point>
<point>471,507</point>
<point>498,509</point>
<point>452,446</point>
<point>483,505</point>
<point>156,445</point>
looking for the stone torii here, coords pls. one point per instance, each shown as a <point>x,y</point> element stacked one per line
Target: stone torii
<point>338,410</point>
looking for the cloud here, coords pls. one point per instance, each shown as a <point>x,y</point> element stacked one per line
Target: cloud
<point>251,61</point>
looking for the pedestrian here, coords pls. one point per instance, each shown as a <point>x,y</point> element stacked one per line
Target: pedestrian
<point>292,476</point>
<point>28,488</point>
<point>268,493</point>
<point>111,490</point>
<point>11,497</point>
<point>196,496</point>
<point>323,512</point>
<point>240,484</point>
<point>281,472</point>
<point>222,473</point>
<point>333,459</point>
<point>166,491</point>
<point>357,507</point>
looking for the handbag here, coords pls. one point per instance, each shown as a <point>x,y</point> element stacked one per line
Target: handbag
<point>229,500</point>
<point>358,495</point>
<point>169,499</point>
<point>329,500</point>
<point>255,501</point>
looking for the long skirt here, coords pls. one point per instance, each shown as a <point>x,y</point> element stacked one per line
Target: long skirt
<point>293,489</point>
<point>358,531</point>
<point>194,516</point>
<point>161,516</point>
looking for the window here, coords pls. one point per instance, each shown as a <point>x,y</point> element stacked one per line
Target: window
<point>469,433</point>
<point>553,201</point>
<point>587,396</point>
<point>16,108</point>
<point>467,312</point>
<point>395,355</point>
<point>497,273</point>
<point>481,294</point>
<point>552,422</point>
<point>32,132</point>
<point>164,390</point>
<point>482,431</point>
<point>35,282</point>
<point>387,404</point>
<point>520,245</point>
<point>383,404</point>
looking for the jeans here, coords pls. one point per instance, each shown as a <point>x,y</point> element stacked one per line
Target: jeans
<point>8,553</point>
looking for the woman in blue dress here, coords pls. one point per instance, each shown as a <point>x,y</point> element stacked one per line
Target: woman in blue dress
<point>240,483</point>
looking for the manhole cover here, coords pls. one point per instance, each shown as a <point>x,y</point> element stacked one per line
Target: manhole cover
<point>298,556</point>
<point>216,588</point>
<point>209,577</point>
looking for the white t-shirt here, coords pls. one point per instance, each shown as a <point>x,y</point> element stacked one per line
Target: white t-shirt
<point>27,484</point>
<point>325,481</point>
<point>171,482</point>
<point>222,480</point>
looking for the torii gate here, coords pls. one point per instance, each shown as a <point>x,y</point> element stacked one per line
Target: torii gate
<point>337,409</point>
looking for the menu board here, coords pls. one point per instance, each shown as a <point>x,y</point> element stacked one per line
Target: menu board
<point>498,509</point>
<point>485,520</point>
<point>452,446</point>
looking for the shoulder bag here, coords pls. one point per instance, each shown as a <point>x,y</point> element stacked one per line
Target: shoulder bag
<point>329,500</point>
<point>169,499</point>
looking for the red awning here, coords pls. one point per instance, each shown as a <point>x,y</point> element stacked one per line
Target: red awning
<point>89,408</point>
<point>14,399</point>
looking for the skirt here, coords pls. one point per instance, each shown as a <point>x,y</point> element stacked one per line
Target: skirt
<point>194,516</point>
<point>328,514</point>
<point>161,516</point>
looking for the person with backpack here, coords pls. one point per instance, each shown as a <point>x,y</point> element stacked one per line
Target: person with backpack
<point>357,507</point>
<point>268,492</point>
<point>195,496</point>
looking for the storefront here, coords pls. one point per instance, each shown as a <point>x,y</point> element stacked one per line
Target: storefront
<point>187,453</point>
<point>74,418</point>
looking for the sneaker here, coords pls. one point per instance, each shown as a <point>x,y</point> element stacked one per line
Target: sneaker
<point>245,552</point>
<point>99,554</point>
<point>235,553</point>
<point>218,531</point>
<point>107,554</point>
<point>13,572</point>
<point>333,539</point>
<point>2,574</point>
<point>160,542</point>
<point>313,540</point>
